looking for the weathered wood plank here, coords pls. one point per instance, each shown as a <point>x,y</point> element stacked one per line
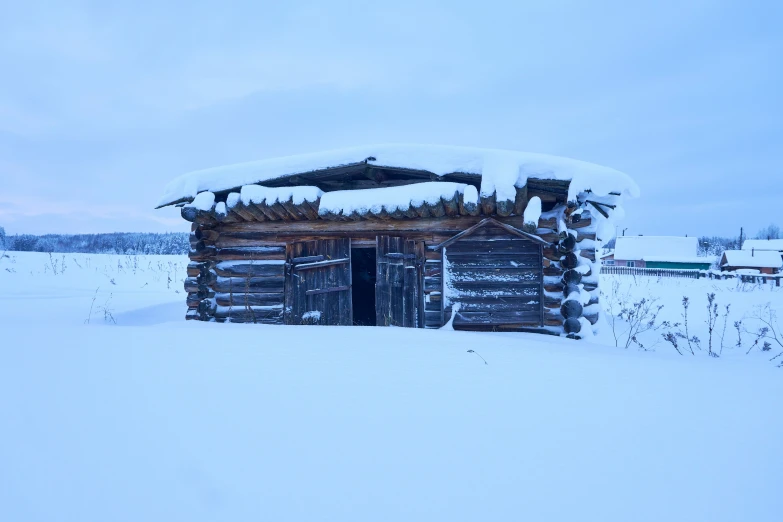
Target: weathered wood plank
<point>253,299</point>
<point>446,225</point>
<point>499,291</point>
<point>259,253</point>
<point>250,268</point>
<point>248,284</point>
<point>253,314</point>
<point>322,264</point>
<point>530,318</point>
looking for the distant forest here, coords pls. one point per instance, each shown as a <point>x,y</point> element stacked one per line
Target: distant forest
<point>178,243</point>
<point>114,243</point>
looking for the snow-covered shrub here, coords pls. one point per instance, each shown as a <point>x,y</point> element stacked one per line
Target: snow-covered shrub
<point>769,332</point>
<point>682,331</point>
<point>629,319</point>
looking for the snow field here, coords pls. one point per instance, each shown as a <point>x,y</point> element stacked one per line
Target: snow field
<point>156,418</point>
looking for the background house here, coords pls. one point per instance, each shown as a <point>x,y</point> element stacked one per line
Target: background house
<point>760,261</point>
<point>764,245</point>
<point>657,252</point>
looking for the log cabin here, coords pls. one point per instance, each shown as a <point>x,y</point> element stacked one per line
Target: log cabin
<point>400,235</point>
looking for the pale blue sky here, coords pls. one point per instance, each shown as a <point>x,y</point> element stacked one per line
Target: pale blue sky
<point>101,106</point>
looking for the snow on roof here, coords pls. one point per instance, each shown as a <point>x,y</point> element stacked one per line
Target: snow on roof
<point>658,248</point>
<point>763,244</point>
<point>501,170</point>
<point>750,259</point>
<point>390,199</point>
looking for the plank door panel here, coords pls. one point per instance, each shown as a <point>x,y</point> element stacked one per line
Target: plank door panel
<point>497,279</point>
<point>399,297</point>
<point>318,282</point>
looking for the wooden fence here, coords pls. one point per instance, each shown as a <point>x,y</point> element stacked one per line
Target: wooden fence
<point>692,274</point>
<point>655,272</point>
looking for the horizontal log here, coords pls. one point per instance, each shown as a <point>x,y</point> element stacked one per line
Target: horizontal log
<point>553,271</point>
<point>249,284</point>
<point>206,277</point>
<point>192,285</point>
<point>496,318</point>
<point>250,269</point>
<point>446,225</point>
<point>204,255</point>
<point>552,253</point>
<point>258,315</point>
<point>553,302</point>
<point>259,253</point>
<point>242,299</point>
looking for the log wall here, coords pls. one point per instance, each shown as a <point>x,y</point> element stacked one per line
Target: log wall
<point>237,270</point>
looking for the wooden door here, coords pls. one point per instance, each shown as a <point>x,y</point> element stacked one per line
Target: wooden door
<point>399,300</point>
<point>497,279</point>
<point>318,282</point>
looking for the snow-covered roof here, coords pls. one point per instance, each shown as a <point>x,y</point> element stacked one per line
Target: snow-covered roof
<point>391,199</point>
<point>763,244</point>
<point>658,248</point>
<point>751,259</point>
<point>500,170</point>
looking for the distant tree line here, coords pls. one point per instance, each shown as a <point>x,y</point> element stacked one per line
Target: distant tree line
<point>715,245</point>
<point>114,243</point>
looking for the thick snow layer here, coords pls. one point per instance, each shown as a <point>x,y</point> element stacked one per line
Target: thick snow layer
<point>203,201</point>
<point>271,195</point>
<point>763,244</point>
<point>657,248</point>
<point>752,259</point>
<point>501,170</point>
<point>158,419</point>
<point>533,211</point>
<point>390,198</point>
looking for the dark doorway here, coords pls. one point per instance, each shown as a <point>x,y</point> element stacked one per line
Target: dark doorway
<point>363,283</point>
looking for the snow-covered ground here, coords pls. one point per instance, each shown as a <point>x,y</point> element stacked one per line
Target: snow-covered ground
<point>140,415</point>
